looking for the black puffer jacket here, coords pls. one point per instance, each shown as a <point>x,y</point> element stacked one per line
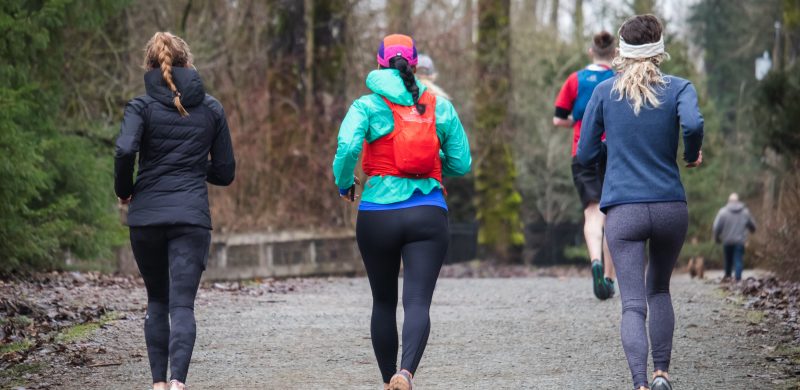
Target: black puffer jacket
<point>174,152</point>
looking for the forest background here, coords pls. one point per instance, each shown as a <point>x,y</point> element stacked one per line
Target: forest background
<point>287,70</point>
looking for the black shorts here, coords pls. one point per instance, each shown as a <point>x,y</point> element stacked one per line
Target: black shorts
<point>588,181</point>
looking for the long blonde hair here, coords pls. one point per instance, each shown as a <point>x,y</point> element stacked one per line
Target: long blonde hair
<point>639,79</point>
<point>165,50</point>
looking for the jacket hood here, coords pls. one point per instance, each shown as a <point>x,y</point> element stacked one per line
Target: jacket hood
<point>187,80</point>
<point>387,83</point>
<point>735,207</point>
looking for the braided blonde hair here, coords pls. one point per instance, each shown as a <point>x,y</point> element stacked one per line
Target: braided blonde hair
<point>165,50</point>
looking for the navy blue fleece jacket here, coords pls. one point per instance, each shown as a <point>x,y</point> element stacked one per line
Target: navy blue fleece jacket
<point>642,150</point>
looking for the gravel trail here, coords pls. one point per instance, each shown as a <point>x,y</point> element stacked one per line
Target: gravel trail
<point>526,333</point>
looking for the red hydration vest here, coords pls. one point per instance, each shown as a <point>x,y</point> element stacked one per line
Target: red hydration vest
<point>411,150</point>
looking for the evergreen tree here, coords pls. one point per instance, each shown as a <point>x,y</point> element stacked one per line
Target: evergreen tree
<point>56,195</point>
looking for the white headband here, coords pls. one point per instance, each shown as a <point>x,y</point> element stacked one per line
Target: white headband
<point>641,51</point>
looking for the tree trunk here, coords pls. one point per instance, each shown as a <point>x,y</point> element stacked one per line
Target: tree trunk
<point>644,7</point>
<point>400,15</point>
<point>579,37</point>
<point>498,202</point>
<point>308,76</point>
<point>791,27</point>
<point>554,16</point>
<point>470,30</point>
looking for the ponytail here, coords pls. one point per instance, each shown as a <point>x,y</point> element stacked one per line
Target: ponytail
<point>639,78</point>
<point>407,74</point>
<point>164,51</point>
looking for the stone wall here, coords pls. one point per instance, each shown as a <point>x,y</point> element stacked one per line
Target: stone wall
<point>239,256</point>
<point>282,254</point>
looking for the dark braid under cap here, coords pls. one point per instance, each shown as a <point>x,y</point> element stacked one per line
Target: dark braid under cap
<point>407,74</point>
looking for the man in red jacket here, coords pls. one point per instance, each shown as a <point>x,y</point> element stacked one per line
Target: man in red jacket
<point>572,99</point>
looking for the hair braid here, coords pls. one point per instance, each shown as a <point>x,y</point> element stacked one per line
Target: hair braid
<point>407,74</point>
<point>165,50</point>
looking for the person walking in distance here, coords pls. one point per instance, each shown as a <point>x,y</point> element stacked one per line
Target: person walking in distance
<point>642,111</point>
<point>572,99</point>
<point>731,226</point>
<point>427,74</point>
<point>410,139</point>
<point>182,139</point>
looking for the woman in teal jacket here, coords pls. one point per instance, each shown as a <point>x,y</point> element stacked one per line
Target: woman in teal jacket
<point>401,214</point>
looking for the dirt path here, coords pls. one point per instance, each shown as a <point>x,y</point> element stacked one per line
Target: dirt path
<point>535,333</point>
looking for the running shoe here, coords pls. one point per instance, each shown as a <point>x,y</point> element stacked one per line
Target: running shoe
<point>660,382</point>
<point>176,385</point>
<point>610,287</point>
<point>401,381</point>
<point>600,289</point>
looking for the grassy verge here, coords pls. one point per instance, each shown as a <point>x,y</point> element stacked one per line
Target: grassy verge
<point>17,346</point>
<point>12,376</point>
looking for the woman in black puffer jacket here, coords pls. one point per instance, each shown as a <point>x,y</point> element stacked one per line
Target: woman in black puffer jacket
<point>183,141</point>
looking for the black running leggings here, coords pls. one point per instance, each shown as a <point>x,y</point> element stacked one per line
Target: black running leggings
<point>420,235</point>
<point>171,260</point>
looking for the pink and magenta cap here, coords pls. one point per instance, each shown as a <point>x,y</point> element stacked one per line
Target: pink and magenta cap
<point>397,45</point>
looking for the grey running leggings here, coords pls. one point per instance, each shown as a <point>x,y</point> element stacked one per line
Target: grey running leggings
<point>629,230</point>
<point>171,260</point>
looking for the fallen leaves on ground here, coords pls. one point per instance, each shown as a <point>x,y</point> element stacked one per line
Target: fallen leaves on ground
<point>778,299</point>
<point>49,317</point>
<point>777,303</point>
<point>34,309</point>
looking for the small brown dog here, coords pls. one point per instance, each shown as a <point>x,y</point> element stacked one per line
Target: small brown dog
<point>697,267</point>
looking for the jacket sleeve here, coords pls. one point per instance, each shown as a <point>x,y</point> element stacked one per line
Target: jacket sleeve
<point>691,121</point>
<point>717,227</point>
<point>456,155</point>
<point>751,223</point>
<point>565,100</point>
<point>350,142</point>
<point>592,129</point>
<point>127,146</point>
<point>221,168</point>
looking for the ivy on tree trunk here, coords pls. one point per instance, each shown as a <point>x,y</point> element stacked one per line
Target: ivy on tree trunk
<point>498,201</point>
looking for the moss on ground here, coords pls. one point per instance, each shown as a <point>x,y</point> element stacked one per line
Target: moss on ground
<point>83,331</point>
<point>755,317</point>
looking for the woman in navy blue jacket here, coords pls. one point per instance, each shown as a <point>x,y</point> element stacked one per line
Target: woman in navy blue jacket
<point>642,112</point>
<point>174,128</point>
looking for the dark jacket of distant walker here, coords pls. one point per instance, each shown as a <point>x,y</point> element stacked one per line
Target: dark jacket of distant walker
<point>174,164</point>
<point>733,223</point>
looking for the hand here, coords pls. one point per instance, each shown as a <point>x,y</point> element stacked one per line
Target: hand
<point>125,201</point>
<point>696,163</point>
<point>349,194</point>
